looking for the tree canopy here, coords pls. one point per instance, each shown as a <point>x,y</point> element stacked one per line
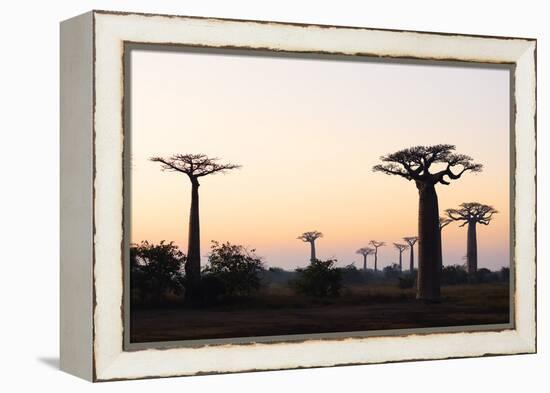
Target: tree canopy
<point>414,163</point>
<point>193,165</point>
<point>365,251</point>
<point>310,236</point>
<point>472,212</point>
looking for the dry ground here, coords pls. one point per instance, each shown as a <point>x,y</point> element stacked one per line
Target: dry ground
<point>278,311</point>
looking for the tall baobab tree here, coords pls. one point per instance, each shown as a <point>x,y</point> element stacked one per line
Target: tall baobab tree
<point>194,166</point>
<point>365,251</point>
<point>472,213</point>
<point>411,241</point>
<point>400,247</point>
<point>443,222</point>
<point>310,237</point>
<point>376,245</point>
<point>428,166</point>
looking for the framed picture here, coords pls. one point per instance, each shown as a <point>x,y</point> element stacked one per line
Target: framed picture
<point>366,195</point>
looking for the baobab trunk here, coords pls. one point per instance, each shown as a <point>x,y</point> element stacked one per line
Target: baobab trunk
<point>400,261</point>
<point>376,261</point>
<point>411,262</point>
<point>312,244</point>
<point>429,244</point>
<point>193,264</point>
<point>364,261</point>
<point>471,248</point>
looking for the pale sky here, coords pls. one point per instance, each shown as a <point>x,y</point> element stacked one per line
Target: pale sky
<point>307,133</point>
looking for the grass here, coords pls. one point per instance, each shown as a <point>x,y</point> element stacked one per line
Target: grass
<point>277,310</point>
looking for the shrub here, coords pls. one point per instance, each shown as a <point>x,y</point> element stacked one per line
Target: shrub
<point>212,289</point>
<point>407,281</point>
<point>155,270</point>
<point>320,278</point>
<point>236,269</point>
<point>351,275</point>
<point>392,271</point>
<point>504,274</point>
<point>454,274</point>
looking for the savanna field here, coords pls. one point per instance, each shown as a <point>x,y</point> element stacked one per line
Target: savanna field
<point>278,310</point>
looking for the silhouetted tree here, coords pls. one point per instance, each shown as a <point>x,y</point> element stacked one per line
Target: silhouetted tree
<point>454,275</point>
<point>310,237</point>
<point>428,166</point>
<point>400,247</point>
<point>391,272</point>
<point>155,270</point>
<point>376,244</point>
<point>411,241</point>
<point>237,268</point>
<point>320,278</point>
<point>443,222</point>
<point>472,213</point>
<point>365,251</point>
<point>194,166</point>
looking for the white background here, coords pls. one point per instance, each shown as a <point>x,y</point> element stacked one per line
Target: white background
<point>29,196</point>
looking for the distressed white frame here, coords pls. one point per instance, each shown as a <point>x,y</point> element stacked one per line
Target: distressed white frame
<point>110,31</point>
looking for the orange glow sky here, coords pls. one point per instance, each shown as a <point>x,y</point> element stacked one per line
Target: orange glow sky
<point>307,133</point>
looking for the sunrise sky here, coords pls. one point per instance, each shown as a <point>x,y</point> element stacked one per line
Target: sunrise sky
<point>307,133</point>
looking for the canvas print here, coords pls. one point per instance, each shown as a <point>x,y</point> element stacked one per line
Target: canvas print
<point>276,195</point>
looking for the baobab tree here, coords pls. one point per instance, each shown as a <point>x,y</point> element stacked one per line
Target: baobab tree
<point>365,251</point>
<point>443,222</point>
<point>310,237</point>
<point>376,245</point>
<point>194,166</point>
<point>472,213</point>
<point>400,247</point>
<point>411,241</point>
<point>428,166</point>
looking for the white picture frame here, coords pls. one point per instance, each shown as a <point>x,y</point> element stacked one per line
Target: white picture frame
<point>92,189</point>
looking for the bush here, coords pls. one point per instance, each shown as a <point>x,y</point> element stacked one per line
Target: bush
<point>320,279</point>
<point>155,271</point>
<point>351,275</point>
<point>232,270</point>
<point>276,276</point>
<point>454,275</point>
<point>212,289</point>
<point>504,274</point>
<point>407,281</point>
<point>392,271</point>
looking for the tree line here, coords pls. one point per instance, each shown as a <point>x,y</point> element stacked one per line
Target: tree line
<point>233,272</point>
<point>426,166</point>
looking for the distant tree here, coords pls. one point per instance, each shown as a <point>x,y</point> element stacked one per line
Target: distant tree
<point>155,270</point>
<point>365,251</point>
<point>237,268</point>
<point>194,166</point>
<point>454,274</point>
<point>400,247</point>
<point>504,274</point>
<point>351,275</point>
<point>484,275</point>
<point>392,271</point>
<point>471,214</point>
<point>443,222</point>
<point>411,241</point>
<point>319,278</point>
<point>376,244</point>
<point>428,166</point>
<point>310,237</point>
